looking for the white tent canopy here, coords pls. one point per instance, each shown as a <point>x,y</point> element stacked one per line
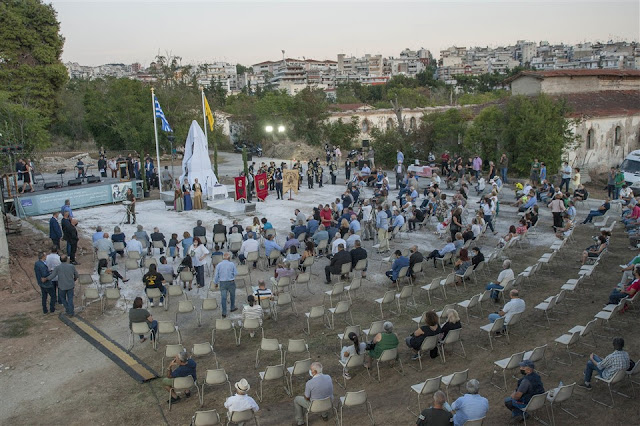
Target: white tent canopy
<point>196,162</point>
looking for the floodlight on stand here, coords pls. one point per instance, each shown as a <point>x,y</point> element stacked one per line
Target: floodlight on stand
<point>269,129</point>
<point>281,129</point>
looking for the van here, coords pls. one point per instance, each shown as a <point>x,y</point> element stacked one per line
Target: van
<point>631,168</point>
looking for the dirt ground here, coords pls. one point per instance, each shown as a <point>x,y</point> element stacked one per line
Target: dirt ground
<point>51,376</point>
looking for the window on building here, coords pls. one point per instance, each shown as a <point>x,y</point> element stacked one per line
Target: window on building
<point>412,123</point>
<point>365,126</point>
<point>617,137</point>
<point>390,124</point>
<point>590,139</point>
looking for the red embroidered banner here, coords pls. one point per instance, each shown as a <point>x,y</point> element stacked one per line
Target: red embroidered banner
<point>241,188</point>
<point>262,190</point>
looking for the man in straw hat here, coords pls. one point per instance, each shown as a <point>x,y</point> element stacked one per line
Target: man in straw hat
<point>241,401</point>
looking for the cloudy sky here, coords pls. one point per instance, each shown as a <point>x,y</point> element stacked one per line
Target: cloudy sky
<point>104,31</point>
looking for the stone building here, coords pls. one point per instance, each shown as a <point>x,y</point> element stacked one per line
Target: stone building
<point>604,110</point>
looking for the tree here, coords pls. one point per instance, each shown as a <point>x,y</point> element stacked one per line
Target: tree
<point>385,145</point>
<point>342,134</point>
<point>310,110</point>
<point>31,73</point>
<point>241,69</point>
<point>536,128</point>
<point>486,134</point>
<point>119,114</point>
<point>444,130</point>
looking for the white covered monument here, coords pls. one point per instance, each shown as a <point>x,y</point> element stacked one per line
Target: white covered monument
<point>196,163</point>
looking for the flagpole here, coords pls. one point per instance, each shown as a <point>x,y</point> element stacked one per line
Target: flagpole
<point>204,119</point>
<point>155,130</point>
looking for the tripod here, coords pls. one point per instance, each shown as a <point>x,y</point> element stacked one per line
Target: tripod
<point>127,213</point>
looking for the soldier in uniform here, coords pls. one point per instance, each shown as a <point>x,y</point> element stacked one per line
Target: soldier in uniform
<point>333,170</point>
<point>310,174</point>
<point>347,169</point>
<point>319,172</point>
<point>270,171</point>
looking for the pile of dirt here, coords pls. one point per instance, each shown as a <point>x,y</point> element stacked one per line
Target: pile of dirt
<point>52,164</point>
<point>292,150</point>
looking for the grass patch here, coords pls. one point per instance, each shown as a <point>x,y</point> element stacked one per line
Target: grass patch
<point>17,326</point>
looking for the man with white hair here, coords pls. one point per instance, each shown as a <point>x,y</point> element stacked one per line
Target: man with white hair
<point>319,387</point>
<point>505,276</point>
<point>249,245</point>
<point>515,306</point>
<point>106,245</point>
<point>241,401</point>
<point>435,415</point>
<point>470,406</point>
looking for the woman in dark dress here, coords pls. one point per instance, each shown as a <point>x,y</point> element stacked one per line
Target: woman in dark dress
<point>432,328</point>
<point>186,191</point>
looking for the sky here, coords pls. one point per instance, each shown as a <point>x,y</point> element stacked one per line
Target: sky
<point>106,31</point>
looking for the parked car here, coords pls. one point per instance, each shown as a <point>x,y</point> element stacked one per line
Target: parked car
<point>253,149</point>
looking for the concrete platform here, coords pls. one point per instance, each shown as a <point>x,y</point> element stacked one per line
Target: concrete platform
<point>231,208</point>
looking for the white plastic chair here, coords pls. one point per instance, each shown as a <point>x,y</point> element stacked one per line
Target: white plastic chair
<point>561,394</point>
<point>427,387</point>
<point>316,312</point>
<point>269,345</point>
<point>353,399</point>
<point>507,364</point>
<point>388,298</point>
<point>320,406</point>
<point>455,379</point>
<point>272,372</point>
<point>215,377</point>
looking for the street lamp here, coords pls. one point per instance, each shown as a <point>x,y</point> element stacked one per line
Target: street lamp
<point>269,129</point>
<point>281,129</point>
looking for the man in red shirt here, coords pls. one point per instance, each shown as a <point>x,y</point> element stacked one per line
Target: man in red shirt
<point>326,216</point>
<point>445,162</point>
<point>629,291</point>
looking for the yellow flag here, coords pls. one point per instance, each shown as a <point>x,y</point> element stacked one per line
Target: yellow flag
<point>208,113</point>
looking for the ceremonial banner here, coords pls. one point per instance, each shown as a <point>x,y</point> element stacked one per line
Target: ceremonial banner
<point>241,188</point>
<point>290,180</point>
<point>260,182</point>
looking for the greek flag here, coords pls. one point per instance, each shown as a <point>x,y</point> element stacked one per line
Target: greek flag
<point>160,115</point>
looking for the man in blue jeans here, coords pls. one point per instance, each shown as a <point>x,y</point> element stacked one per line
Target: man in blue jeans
<point>504,276</point>
<point>528,386</point>
<point>67,276</point>
<point>609,366</point>
<point>599,212</point>
<point>46,287</point>
<point>225,277</point>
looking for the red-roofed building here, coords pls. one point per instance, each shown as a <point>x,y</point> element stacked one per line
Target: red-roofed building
<point>604,109</point>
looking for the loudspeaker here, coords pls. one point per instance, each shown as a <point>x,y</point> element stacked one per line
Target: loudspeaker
<point>93,179</point>
<point>365,143</point>
<point>50,185</point>
<point>74,182</point>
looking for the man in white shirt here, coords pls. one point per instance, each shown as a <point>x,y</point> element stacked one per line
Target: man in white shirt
<point>512,307</point>
<point>504,276</point>
<point>337,241</point>
<point>241,401</point>
<point>351,240</point>
<point>134,245</point>
<point>247,247</point>
<point>106,245</point>
<point>366,224</point>
<point>53,260</point>
<point>164,268</point>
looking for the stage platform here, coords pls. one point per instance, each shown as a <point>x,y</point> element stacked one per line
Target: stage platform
<point>43,201</point>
